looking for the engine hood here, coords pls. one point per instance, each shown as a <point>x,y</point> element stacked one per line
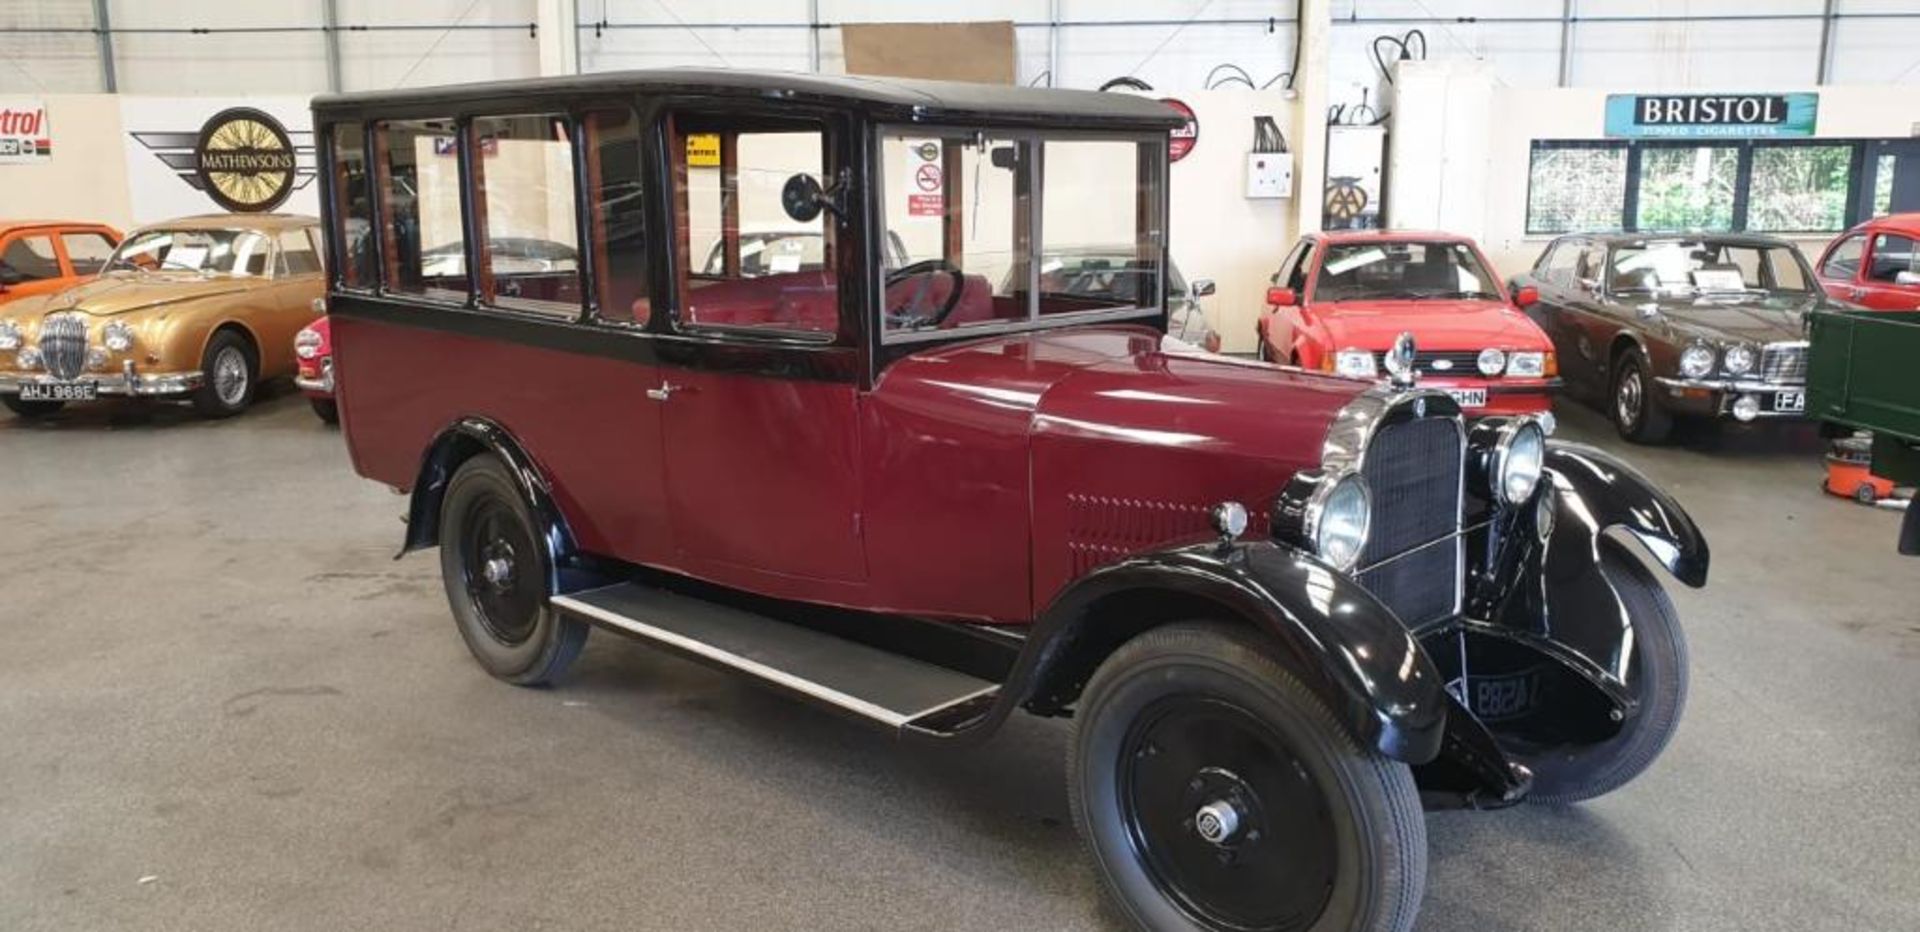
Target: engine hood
<point>115,294</point>
<point>1753,318</point>
<point>1435,325</point>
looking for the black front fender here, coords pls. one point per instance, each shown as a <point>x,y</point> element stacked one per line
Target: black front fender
<point>1597,492</point>
<point>1351,648</point>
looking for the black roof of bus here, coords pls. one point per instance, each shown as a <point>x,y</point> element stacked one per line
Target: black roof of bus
<point>887,98</point>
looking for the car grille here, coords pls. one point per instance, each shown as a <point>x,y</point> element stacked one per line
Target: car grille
<point>63,345</point>
<point>1784,362</point>
<point>1412,558</point>
<point>1440,362</point>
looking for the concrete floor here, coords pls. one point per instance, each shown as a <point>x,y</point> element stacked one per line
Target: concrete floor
<point>223,706</point>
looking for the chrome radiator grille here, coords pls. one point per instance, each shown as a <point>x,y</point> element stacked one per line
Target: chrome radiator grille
<point>63,345</point>
<point>1784,362</point>
<point>1412,558</point>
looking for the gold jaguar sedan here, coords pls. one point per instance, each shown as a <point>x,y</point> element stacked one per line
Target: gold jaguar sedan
<point>201,309</point>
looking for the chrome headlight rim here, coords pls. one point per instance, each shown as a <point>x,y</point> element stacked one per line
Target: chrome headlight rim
<point>1697,360</point>
<point>12,337</point>
<point>1745,354</point>
<point>1318,505</point>
<point>117,336</point>
<point>1492,361</point>
<point>307,343</point>
<point>1505,442</point>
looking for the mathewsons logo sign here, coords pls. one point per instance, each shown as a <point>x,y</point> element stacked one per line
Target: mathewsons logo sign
<point>1700,116</point>
<point>24,134</point>
<point>245,160</point>
<point>186,154</point>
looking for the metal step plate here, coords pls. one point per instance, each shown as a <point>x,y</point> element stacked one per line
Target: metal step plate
<point>869,682</point>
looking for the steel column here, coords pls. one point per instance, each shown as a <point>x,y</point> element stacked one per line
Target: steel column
<point>1566,43</point>
<point>1825,68</point>
<point>330,9</point>
<point>103,22</point>
<point>813,36</point>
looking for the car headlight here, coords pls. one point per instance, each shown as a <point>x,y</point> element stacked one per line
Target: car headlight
<point>1738,359</point>
<point>117,337</point>
<point>1492,361</point>
<point>29,358</point>
<point>1338,526</point>
<point>10,338</point>
<point>1519,456</point>
<point>1696,360</point>
<point>1527,365</point>
<point>306,344</point>
<point>1356,363</point>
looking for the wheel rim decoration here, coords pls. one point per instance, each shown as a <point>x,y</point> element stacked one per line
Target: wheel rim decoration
<point>1228,823</point>
<point>500,571</point>
<point>1627,402</point>
<point>230,377</point>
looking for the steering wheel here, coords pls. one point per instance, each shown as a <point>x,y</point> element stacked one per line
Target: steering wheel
<point>901,316</point>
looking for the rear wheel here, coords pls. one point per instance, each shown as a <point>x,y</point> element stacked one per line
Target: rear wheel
<point>495,575</point>
<point>1636,411</point>
<point>1216,791</point>
<point>1573,774</point>
<point>31,409</point>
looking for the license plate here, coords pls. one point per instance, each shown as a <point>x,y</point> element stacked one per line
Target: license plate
<point>1790,402</point>
<point>59,391</point>
<point>1469,397</point>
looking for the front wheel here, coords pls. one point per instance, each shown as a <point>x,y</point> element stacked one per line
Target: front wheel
<point>31,410</point>
<point>229,370</point>
<point>496,578</point>
<point>1659,665</point>
<point>326,409</point>
<point>1216,791</point>
<point>1636,410</point>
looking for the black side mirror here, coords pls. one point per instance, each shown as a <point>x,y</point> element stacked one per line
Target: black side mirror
<point>1006,157</point>
<point>803,198</point>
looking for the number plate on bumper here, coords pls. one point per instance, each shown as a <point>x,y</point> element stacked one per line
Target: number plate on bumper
<point>59,391</point>
<point>1469,397</point>
<point>1790,402</point>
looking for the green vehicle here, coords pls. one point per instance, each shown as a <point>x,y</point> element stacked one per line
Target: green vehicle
<point>1861,376</point>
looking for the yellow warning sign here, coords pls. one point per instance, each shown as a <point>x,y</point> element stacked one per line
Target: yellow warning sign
<point>703,150</point>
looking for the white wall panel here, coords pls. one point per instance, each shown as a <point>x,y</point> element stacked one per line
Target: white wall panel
<point>48,63</point>
<point>378,59</point>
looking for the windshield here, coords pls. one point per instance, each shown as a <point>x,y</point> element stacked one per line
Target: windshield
<point>1016,229</point>
<point>208,252</point>
<point>1407,271</point>
<point>1697,266</point>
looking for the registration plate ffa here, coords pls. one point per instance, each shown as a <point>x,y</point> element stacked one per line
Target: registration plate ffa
<point>1790,402</point>
<point>1469,397</point>
<point>59,391</point>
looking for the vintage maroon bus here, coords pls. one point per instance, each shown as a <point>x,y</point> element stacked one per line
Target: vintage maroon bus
<point>770,371</point>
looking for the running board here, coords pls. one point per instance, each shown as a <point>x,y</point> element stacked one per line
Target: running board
<point>898,692</point>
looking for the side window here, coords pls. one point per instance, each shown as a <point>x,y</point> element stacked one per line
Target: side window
<point>1561,266</point>
<point>424,244</point>
<point>87,252</point>
<point>1788,273</point>
<point>28,259</point>
<point>353,207</point>
<point>1844,261</point>
<point>741,261</point>
<point>1744,259</point>
<point>524,199</point>
<point>959,207</point>
<point>616,220</point>
<point>296,253</point>
<point>1297,276</point>
<point>1893,255</point>
<point>1099,249</point>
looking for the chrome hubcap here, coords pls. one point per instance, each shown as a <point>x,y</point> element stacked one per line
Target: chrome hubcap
<point>1217,822</point>
<point>230,376</point>
<point>1627,398</point>
<point>497,569</point>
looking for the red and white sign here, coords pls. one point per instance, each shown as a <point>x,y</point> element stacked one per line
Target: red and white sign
<point>25,135</point>
<point>1182,140</point>
<point>928,199</point>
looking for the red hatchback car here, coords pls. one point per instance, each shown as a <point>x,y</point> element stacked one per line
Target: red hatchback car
<point>1341,299</point>
<point>1875,264</point>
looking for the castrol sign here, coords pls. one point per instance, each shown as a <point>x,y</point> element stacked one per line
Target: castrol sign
<point>24,134</point>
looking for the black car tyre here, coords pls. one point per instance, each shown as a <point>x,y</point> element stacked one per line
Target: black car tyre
<point>495,575</point>
<point>326,409</point>
<point>31,409</point>
<point>1569,775</point>
<point>1633,405</point>
<point>1214,790</point>
<point>229,371</point>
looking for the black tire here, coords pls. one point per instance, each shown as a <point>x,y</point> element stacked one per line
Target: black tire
<point>230,374</point>
<point>1641,418</point>
<point>1355,848</point>
<point>1864,493</point>
<point>31,410</point>
<point>1571,775</point>
<point>326,409</point>
<point>1266,355</point>
<point>505,619</point>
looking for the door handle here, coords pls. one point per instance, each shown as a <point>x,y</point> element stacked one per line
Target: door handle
<point>664,392</point>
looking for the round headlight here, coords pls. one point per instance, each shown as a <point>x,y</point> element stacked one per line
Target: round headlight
<point>9,335</point>
<point>29,358</point>
<point>1492,361</point>
<point>1696,360</point>
<point>1340,521</point>
<point>118,337</point>
<point>306,344</point>
<point>1738,359</point>
<point>1518,460</point>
